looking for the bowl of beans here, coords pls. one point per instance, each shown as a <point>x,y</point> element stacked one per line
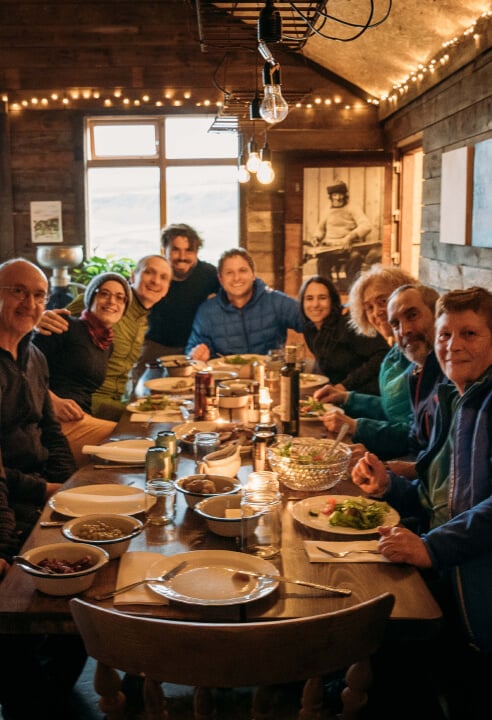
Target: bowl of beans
<point>198,487</point>
<point>109,531</point>
<point>70,568</point>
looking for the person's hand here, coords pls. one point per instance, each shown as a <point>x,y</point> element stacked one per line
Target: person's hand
<point>65,409</point>
<point>399,544</point>
<point>358,451</point>
<point>334,419</point>
<point>331,394</point>
<point>371,475</point>
<point>53,321</point>
<point>200,352</point>
<point>4,568</point>
<point>51,489</point>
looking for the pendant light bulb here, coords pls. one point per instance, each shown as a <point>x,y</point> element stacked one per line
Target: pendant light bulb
<point>253,161</point>
<point>274,107</point>
<point>265,173</point>
<point>243,175</point>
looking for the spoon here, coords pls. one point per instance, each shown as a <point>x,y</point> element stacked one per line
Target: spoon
<point>19,560</point>
<point>341,434</point>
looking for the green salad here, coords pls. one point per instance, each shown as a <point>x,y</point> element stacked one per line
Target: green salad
<point>356,512</point>
<point>238,360</point>
<point>303,457</point>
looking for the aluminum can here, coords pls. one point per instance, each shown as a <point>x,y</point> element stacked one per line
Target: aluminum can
<point>261,440</point>
<point>167,439</point>
<point>203,390</point>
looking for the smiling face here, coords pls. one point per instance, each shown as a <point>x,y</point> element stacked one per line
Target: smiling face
<point>236,277</point>
<point>182,256</point>
<point>19,316</point>
<point>316,303</point>
<point>412,322</point>
<point>374,303</point>
<point>463,346</point>
<point>151,280</point>
<point>109,302</point>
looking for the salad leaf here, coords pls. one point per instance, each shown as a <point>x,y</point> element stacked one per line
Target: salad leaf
<point>358,513</point>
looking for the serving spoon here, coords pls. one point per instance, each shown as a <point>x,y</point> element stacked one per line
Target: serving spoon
<point>19,560</point>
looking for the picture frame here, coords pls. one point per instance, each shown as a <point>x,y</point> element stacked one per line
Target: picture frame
<point>326,249</point>
<point>456,196</point>
<point>46,222</point>
<point>482,197</point>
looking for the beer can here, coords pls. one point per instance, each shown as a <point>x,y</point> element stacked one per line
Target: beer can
<point>167,439</point>
<point>203,390</point>
<point>158,464</point>
<point>261,440</point>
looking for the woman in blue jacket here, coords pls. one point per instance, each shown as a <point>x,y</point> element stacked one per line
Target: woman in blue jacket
<point>453,494</point>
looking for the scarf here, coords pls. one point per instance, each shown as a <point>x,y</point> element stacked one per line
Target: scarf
<point>101,336</point>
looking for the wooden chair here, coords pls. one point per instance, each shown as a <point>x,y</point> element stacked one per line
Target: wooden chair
<point>217,655</point>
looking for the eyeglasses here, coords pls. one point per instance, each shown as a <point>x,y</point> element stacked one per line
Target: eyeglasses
<point>107,295</point>
<point>20,293</point>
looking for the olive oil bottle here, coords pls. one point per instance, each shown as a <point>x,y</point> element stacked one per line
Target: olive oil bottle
<point>289,393</point>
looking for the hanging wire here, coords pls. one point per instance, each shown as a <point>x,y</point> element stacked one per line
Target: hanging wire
<point>362,27</point>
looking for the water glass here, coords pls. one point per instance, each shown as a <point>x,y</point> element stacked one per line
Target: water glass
<point>205,443</point>
<point>159,486</point>
<point>261,525</point>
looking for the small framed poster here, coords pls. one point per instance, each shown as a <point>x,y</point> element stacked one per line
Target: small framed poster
<point>456,196</point>
<point>46,222</point>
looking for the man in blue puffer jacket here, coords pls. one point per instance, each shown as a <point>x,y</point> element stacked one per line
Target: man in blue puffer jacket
<point>245,316</point>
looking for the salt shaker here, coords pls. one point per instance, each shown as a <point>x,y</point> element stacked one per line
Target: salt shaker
<point>261,526</point>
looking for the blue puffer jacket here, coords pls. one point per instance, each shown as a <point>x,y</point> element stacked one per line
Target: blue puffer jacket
<point>462,546</point>
<point>257,327</point>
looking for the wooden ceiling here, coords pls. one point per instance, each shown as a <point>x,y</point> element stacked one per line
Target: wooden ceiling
<point>198,53</point>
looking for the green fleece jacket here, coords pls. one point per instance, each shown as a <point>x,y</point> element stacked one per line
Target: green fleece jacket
<point>383,421</point>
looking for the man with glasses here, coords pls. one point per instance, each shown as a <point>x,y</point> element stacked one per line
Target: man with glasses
<point>38,672</point>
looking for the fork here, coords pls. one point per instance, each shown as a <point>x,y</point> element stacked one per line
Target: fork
<point>344,553</point>
<point>161,578</point>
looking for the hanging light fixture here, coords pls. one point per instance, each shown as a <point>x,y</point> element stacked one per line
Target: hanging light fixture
<point>269,23</point>
<point>265,172</point>
<point>274,107</point>
<point>254,108</point>
<point>253,161</point>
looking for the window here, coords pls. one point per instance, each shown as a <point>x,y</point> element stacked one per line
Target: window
<point>145,173</point>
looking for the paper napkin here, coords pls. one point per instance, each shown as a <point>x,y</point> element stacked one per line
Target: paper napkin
<point>315,555</point>
<point>156,417</point>
<point>135,566</point>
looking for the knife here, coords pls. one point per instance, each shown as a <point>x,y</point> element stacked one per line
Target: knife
<point>285,579</point>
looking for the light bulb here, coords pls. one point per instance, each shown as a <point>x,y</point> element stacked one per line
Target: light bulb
<point>253,162</point>
<point>243,175</point>
<point>273,108</point>
<point>265,173</point>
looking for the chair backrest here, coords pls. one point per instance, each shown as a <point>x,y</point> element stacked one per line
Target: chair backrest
<point>232,654</point>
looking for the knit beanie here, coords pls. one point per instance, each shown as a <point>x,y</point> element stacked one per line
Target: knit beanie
<point>99,280</point>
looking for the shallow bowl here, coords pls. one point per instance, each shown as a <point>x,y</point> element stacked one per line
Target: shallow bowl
<point>85,529</point>
<point>233,394</point>
<point>177,365</point>
<point>214,511</point>
<point>223,486</point>
<point>69,583</point>
<point>300,474</point>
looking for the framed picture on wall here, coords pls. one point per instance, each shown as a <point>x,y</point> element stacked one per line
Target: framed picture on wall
<point>456,196</point>
<point>46,221</point>
<point>482,197</point>
<point>342,222</point>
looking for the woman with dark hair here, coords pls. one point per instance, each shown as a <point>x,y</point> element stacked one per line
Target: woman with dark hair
<point>350,360</point>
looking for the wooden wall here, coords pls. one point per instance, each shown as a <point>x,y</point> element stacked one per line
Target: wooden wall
<point>457,113</point>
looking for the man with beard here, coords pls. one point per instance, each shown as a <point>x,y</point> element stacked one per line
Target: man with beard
<point>193,281</point>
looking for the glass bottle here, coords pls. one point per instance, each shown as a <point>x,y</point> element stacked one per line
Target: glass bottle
<point>153,370</point>
<point>289,393</point>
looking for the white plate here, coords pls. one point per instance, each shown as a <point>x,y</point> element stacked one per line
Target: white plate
<point>309,418</point>
<point>250,357</point>
<point>300,511</point>
<point>171,409</point>
<point>174,385</point>
<point>205,426</point>
<point>124,451</point>
<point>206,579</point>
<point>309,380</point>
<point>96,499</point>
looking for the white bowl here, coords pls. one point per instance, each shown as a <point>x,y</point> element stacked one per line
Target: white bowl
<point>115,547</point>
<point>69,583</point>
<point>177,365</point>
<point>233,393</point>
<point>223,485</point>
<point>213,509</point>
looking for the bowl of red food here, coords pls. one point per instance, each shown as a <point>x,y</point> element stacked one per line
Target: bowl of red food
<point>73,566</point>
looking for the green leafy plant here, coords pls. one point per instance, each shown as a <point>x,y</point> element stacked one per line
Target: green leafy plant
<point>95,265</point>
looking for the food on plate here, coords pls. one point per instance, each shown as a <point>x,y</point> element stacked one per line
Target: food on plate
<point>227,433</point>
<point>64,567</point>
<point>156,402</point>
<point>239,360</point>
<point>181,385</point>
<point>311,407</point>
<point>99,530</point>
<point>356,512</point>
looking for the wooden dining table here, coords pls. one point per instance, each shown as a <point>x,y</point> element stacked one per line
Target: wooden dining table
<point>23,609</point>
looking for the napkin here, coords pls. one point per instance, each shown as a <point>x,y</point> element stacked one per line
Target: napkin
<point>134,566</point>
<point>118,453</point>
<point>85,503</point>
<point>315,555</point>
